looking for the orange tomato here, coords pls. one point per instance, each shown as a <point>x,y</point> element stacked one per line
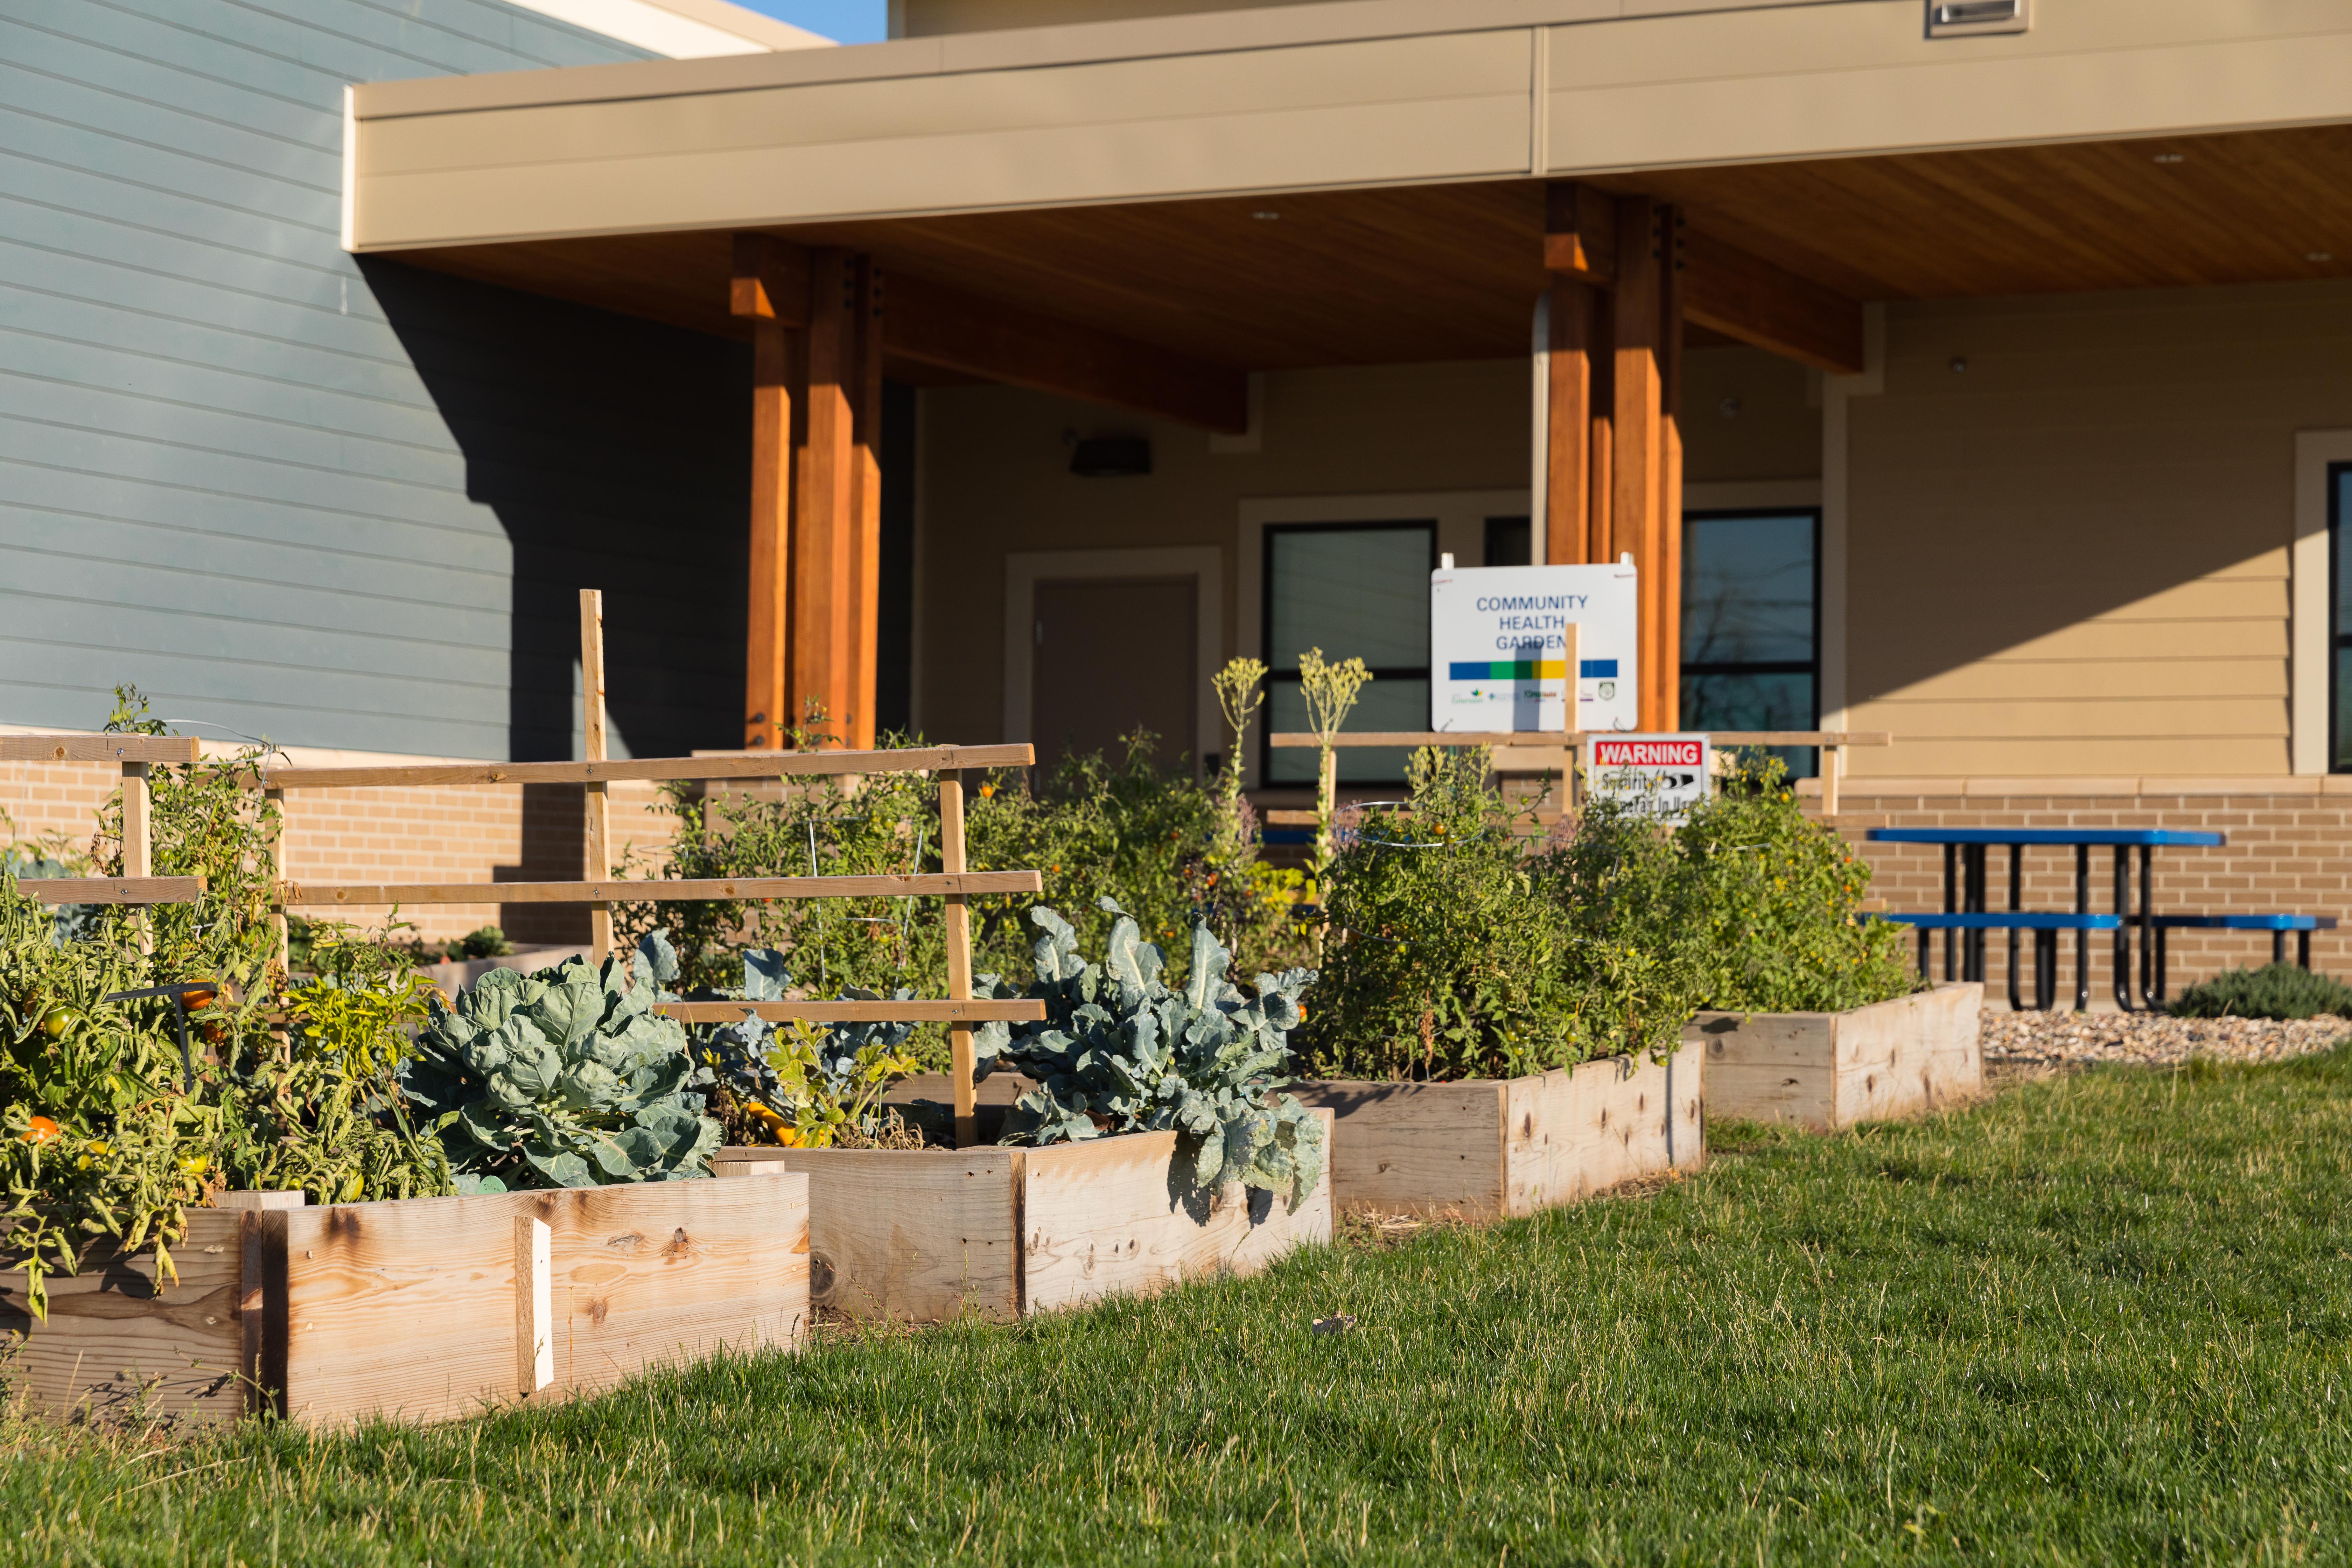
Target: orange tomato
<point>41,1132</point>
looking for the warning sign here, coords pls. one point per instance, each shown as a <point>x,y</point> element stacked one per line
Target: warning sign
<point>1658,776</point>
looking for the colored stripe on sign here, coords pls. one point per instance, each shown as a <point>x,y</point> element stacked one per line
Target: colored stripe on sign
<point>1503,670</point>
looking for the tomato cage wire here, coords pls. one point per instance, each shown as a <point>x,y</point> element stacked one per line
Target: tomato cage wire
<point>906,905</point>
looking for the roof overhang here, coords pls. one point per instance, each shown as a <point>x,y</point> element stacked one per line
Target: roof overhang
<point>1114,174</point>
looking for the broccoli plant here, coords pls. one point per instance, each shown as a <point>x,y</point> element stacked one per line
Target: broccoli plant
<point>564,1078</point>
<point>1122,1051</point>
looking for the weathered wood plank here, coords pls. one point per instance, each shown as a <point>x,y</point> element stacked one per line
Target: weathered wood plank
<point>112,890</point>
<point>919,1235</point>
<point>408,1307</point>
<point>1400,1148</point>
<point>1828,1070</point>
<point>298,895</point>
<point>176,749</point>
<point>116,1339</point>
<point>1112,1216</point>
<point>717,765</point>
<point>1014,1010</point>
<point>1571,1133</point>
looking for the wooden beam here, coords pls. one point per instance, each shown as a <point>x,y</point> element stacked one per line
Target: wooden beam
<point>1744,296</point>
<point>866,505</point>
<point>757,288</point>
<point>1002,342</point>
<point>111,889</point>
<point>177,749</point>
<point>770,281</point>
<point>683,890</point>
<point>1014,1010</point>
<point>1579,233</point>
<point>1634,505</point>
<point>714,765</point>
<point>962,1061</point>
<point>822,522</point>
<point>597,849</point>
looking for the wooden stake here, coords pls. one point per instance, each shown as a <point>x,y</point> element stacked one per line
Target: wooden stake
<point>138,840</point>
<point>598,860</point>
<point>277,924</point>
<point>534,1305</point>
<point>960,1059</point>
<point>1833,764</point>
<point>1572,650</point>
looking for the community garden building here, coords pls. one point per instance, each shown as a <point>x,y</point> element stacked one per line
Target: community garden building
<point>1979,374</point>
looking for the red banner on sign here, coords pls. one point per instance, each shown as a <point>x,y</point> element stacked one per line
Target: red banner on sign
<point>1649,753</point>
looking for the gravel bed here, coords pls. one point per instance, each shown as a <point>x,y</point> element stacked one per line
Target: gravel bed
<point>2016,1040</point>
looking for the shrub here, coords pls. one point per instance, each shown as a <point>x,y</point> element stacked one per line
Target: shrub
<point>2279,991</point>
<point>1121,1050</point>
<point>1778,899</point>
<point>1445,956</point>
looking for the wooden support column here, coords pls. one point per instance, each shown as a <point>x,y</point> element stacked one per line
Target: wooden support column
<point>823,528</point>
<point>1601,447</point>
<point>866,506</point>
<point>767,705</point>
<point>1637,440</point>
<point>1669,597</point>
<point>1567,467</point>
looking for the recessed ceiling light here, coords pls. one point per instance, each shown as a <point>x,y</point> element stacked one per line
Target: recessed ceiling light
<point>1264,216</point>
<point>2321,255</point>
<point>2171,158</point>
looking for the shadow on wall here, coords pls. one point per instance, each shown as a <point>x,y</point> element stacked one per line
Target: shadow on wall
<point>616,453</point>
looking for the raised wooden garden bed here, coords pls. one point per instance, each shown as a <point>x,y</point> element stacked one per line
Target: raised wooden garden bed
<point>421,1309</point>
<point>1828,1070</point>
<point>1488,1148</point>
<point>925,1236</point>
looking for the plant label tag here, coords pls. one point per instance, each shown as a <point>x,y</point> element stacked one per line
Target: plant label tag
<point>1660,776</point>
<point>1499,656</point>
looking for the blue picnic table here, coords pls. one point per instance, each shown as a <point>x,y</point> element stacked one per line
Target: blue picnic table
<point>1965,854</point>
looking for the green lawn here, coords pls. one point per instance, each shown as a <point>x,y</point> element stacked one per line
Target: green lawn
<point>2100,1319</point>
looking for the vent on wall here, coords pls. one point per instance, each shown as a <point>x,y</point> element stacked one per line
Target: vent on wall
<point>1965,18</point>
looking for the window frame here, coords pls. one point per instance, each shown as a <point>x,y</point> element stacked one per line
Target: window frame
<point>1685,668</point>
<point>1430,525</point>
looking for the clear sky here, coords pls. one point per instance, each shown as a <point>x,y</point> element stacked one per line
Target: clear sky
<point>844,21</point>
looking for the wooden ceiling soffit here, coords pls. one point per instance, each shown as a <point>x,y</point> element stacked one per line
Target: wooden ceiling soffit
<point>1724,288</point>
<point>935,325</point>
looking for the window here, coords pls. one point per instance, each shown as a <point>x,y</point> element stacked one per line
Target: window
<point>1752,624</point>
<point>2339,516</point>
<point>1354,590</point>
<point>1510,541</point>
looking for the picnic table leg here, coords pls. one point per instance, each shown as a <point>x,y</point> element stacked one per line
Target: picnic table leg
<point>2159,973</point>
<point>2278,947</point>
<point>2046,970</point>
<point>2082,934</point>
<point>2147,928</point>
<point>2123,930</point>
<point>2016,885</point>
<point>1972,897</point>
<point>2303,950</point>
<point>1951,907</point>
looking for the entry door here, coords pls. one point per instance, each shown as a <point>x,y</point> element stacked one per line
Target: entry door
<point>1110,654</point>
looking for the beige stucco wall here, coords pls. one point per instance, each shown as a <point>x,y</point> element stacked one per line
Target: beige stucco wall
<point>2072,558</point>
<point>929,18</point>
<point>994,478</point>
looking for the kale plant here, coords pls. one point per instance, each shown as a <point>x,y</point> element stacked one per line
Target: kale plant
<point>1121,1051</point>
<point>798,1085</point>
<point>564,1078</point>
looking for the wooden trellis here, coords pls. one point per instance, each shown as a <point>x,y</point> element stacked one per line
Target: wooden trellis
<point>597,886</point>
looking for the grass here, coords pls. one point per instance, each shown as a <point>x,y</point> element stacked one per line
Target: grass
<point>2103,1319</point>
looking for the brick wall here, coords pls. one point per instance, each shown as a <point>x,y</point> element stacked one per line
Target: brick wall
<point>473,833</point>
<point>2289,851</point>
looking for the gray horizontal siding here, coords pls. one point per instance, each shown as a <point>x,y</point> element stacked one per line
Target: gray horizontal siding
<point>294,497</point>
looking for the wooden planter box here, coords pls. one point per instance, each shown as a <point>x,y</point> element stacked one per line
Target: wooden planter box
<point>421,1308</point>
<point>1488,1148</point>
<point>1828,1070</point>
<point>925,1236</point>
